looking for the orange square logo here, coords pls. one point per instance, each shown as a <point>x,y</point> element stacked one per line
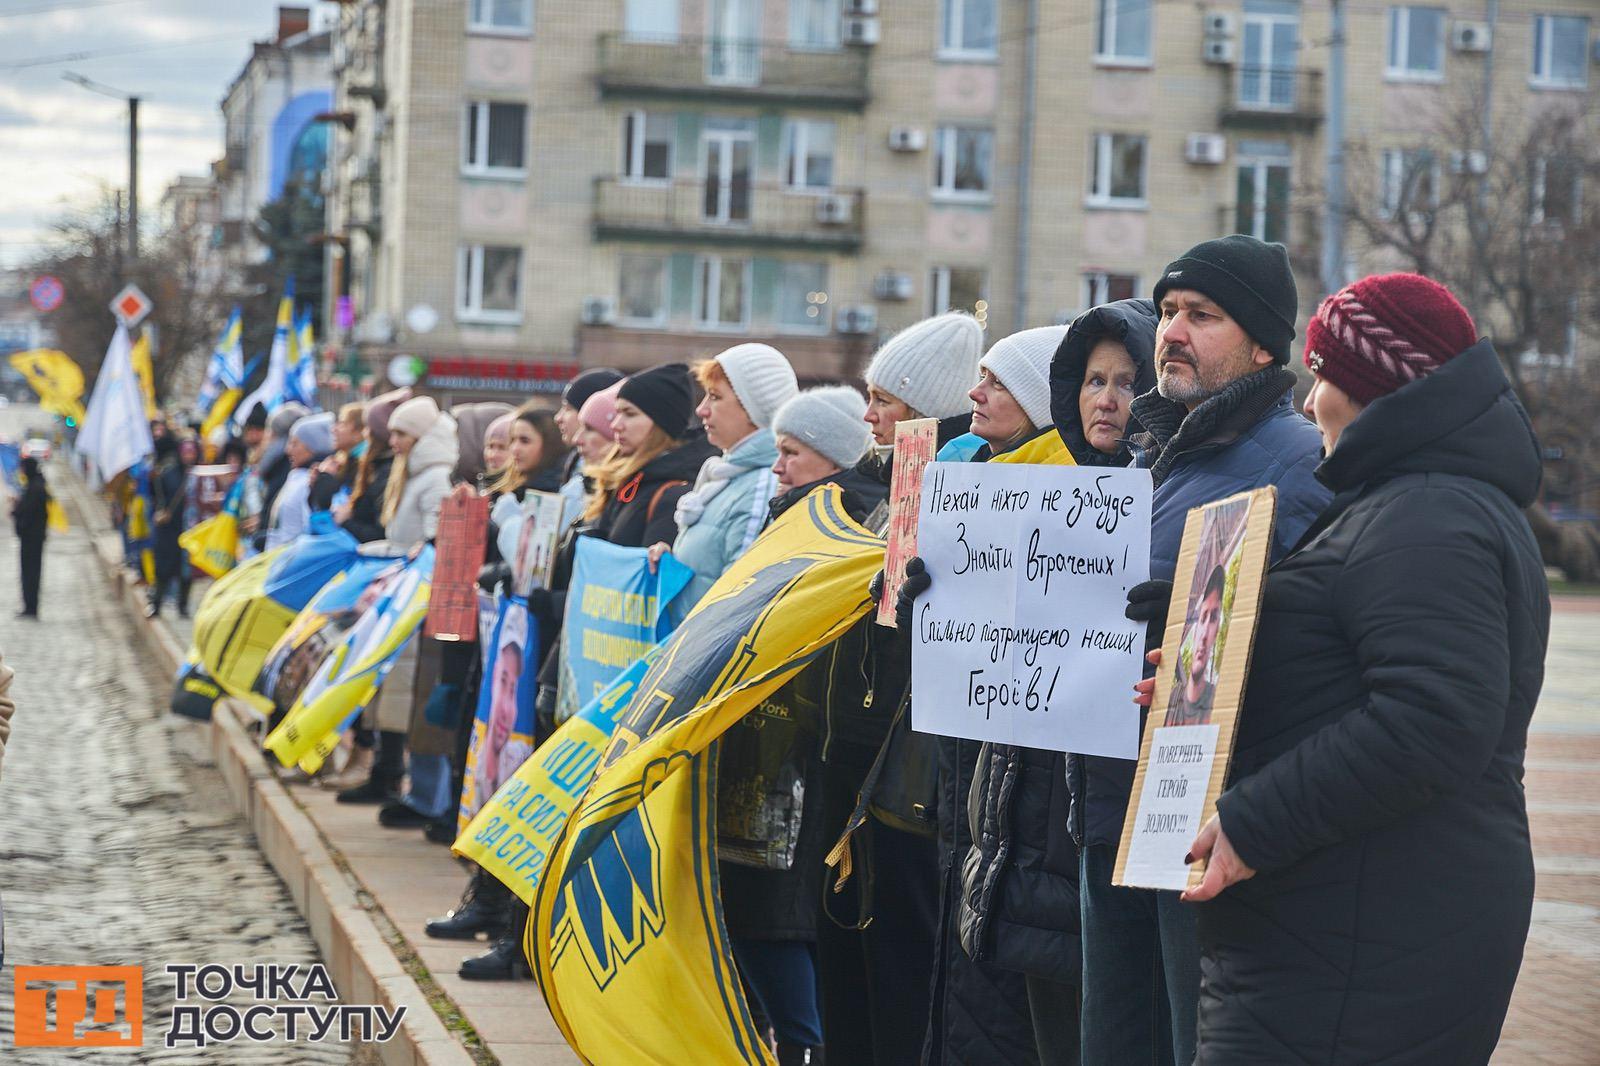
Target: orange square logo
<point>79,1006</point>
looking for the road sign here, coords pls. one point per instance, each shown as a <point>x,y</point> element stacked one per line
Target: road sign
<point>46,293</point>
<point>131,305</point>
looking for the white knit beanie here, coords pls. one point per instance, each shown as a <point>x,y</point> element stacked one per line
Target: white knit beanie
<point>931,365</point>
<point>1022,363</point>
<point>416,416</point>
<point>762,379</point>
<point>828,420</point>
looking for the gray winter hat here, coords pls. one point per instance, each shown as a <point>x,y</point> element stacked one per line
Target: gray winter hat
<point>762,379</point>
<point>315,432</point>
<point>1022,363</point>
<point>283,419</point>
<point>828,420</point>
<point>931,365</point>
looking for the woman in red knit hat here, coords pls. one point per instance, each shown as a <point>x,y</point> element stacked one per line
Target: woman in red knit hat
<point>1369,878</point>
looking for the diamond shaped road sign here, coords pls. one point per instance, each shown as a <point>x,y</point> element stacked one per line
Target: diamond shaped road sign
<point>131,305</point>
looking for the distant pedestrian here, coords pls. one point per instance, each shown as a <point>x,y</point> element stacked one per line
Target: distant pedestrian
<point>30,513</point>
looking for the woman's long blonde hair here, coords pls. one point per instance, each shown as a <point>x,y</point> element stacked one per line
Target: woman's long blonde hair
<point>395,488</point>
<point>614,470</point>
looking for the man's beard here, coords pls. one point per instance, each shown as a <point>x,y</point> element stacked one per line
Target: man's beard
<point>1205,382</point>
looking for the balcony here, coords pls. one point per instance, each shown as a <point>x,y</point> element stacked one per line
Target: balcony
<point>731,213</point>
<point>713,68</point>
<point>1274,98</point>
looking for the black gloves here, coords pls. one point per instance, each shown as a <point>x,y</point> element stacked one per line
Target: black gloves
<point>539,599</point>
<point>918,581</point>
<point>544,710</point>
<point>492,575</point>
<point>875,587</point>
<point>1147,602</point>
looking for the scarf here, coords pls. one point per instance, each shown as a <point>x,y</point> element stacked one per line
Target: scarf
<point>715,475</point>
<point>1171,430</point>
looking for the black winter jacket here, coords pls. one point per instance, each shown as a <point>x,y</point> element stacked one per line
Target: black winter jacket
<point>365,522</point>
<point>1377,778</point>
<point>1019,896</point>
<point>643,510</point>
<point>30,515</point>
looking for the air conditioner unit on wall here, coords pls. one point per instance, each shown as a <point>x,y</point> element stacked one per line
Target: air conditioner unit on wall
<point>1218,23</point>
<point>907,139</point>
<point>1217,50</point>
<point>892,285</point>
<point>1206,148</point>
<point>1471,36</point>
<point>835,210</point>
<point>860,7</point>
<point>599,310</point>
<point>859,319</point>
<point>860,29</point>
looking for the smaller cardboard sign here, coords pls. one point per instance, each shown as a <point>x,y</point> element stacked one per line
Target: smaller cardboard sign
<point>537,542</point>
<point>915,442</point>
<point>460,543</point>
<point>1194,714</point>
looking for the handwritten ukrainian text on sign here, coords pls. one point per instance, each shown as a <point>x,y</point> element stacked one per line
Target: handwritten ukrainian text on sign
<point>1022,639</point>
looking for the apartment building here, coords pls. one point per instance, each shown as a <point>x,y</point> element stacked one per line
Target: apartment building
<point>520,189</point>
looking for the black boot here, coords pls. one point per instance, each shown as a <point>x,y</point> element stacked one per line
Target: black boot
<point>503,961</point>
<point>441,830</point>
<point>485,907</point>
<point>797,1055</point>
<point>388,768</point>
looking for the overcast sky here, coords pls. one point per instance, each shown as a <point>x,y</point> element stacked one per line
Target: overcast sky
<point>59,143</point>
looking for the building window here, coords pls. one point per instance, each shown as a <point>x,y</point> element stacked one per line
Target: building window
<point>808,154</point>
<point>647,145</point>
<point>650,20</point>
<point>1271,43</point>
<point>963,162</point>
<point>803,297</point>
<point>1416,42</point>
<point>722,293</point>
<point>969,28</point>
<point>495,139</point>
<point>1116,177</point>
<point>642,290</point>
<point>1263,191</point>
<point>500,16</point>
<point>1560,52</point>
<point>959,289</point>
<point>491,283</point>
<point>814,23</point>
<point>1556,189</point>
<point>1410,181</point>
<point>1102,288</point>
<point>1122,31</point>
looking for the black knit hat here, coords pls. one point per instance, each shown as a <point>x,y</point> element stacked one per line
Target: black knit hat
<point>588,383</point>
<point>665,393</point>
<point>1250,279</point>
<point>257,418</point>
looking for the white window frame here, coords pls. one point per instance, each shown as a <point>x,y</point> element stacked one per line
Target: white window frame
<point>796,142</point>
<point>946,156</point>
<point>820,324</point>
<point>1258,210</point>
<point>1105,29</point>
<point>1097,285</point>
<point>490,29</point>
<point>1398,43</point>
<point>951,28</point>
<point>1100,156</point>
<point>1544,54</point>
<point>1392,176</point>
<point>939,292</point>
<point>639,117</point>
<point>796,42</point>
<point>1541,167</point>
<point>469,304</point>
<point>658,320</point>
<point>481,147</point>
<point>708,274</point>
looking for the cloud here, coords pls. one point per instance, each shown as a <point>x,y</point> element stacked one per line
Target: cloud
<point>12,116</point>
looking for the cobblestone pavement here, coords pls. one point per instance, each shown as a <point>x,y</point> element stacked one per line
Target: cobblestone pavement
<point>118,842</point>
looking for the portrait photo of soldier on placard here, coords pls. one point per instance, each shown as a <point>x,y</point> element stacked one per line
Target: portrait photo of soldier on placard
<point>1210,609</point>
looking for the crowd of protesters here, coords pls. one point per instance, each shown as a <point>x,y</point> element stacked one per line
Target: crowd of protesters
<point>1369,877</point>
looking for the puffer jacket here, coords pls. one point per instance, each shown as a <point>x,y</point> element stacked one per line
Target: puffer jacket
<point>365,522</point>
<point>1376,785</point>
<point>1019,897</point>
<point>1247,436</point>
<point>642,511</point>
<point>723,512</point>
<point>428,466</point>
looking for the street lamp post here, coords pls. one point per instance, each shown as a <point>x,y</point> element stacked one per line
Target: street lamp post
<point>133,154</point>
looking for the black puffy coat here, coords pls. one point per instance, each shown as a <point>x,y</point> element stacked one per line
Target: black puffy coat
<point>365,521</point>
<point>30,514</point>
<point>642,512</point>
<point>1019,896</point>
<point>1377,778</point>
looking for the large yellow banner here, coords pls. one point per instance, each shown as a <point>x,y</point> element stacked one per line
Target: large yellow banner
<point>626,937</point>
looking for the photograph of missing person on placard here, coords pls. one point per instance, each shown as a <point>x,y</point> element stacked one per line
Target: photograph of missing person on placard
<point>1209,611</point>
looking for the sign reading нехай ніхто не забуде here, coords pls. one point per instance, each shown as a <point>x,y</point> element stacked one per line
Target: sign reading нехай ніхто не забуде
<point>1022,638</point>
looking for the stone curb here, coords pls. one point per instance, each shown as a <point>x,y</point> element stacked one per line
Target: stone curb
<point>364,968</point>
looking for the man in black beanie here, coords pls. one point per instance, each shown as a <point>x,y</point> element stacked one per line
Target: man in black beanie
<point>1220,421</point>
<point>665,394</point>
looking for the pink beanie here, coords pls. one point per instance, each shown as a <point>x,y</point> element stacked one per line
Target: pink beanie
<point>597,410</point>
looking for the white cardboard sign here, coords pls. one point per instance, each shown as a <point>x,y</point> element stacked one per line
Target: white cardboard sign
<point>1168,810</point>
<point>1022,638</point>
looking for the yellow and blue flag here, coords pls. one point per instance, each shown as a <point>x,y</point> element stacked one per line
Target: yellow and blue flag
<point>56,378</point>
<point>272,393</point>
<point>626,936</point>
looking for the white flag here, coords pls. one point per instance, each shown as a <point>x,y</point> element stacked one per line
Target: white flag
<point>115,432</point>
